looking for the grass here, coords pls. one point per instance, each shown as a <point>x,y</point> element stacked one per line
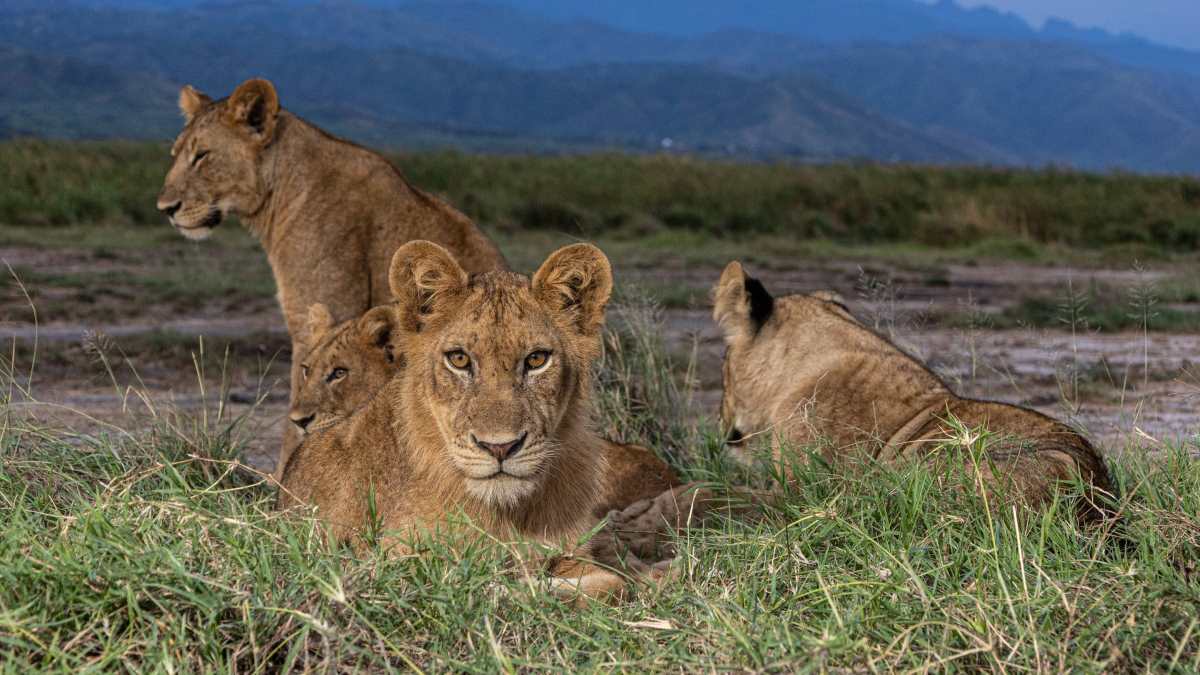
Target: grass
<point>1105,314</point>
<point>160,552</point>
<point>157,549</point>
<point>996,212</point>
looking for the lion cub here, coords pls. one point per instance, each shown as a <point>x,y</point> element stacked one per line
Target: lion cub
<point>488,416</point>
<point>800,370</point>
<point>343,366</point>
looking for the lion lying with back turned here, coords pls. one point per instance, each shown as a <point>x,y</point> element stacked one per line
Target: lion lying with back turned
<point>343,366</point>
<point>489,414</point>
<point>800,371</point>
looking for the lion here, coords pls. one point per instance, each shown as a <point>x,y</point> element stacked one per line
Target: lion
<point>342,366</point>
<point>800,371</point>
<point>329,213</point>
<point>487,418</point>
<point>345,365</point>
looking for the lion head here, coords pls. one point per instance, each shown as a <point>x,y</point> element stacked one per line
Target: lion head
<point>217,157</point>
<point>342,366</point>
<point>766,337</point>
<point>501,363</point>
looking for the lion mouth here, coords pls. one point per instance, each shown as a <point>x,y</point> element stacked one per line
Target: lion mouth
<point>501,473</point>
<point>210,221</point>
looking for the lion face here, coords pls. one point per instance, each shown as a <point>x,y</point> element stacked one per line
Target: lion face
<point>343,366</point>
<point>217,158</point>
<point>501,363</point>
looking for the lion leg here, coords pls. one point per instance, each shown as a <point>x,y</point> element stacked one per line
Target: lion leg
<point>643,531</point>
<point>579,581</point>
<point>1031,476</point>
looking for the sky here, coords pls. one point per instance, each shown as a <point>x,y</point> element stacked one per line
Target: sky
<point>1174,22</point>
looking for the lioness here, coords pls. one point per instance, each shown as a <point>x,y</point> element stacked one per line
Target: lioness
<point>799,370</point>
<point>489,415</point>
<point>344,365</point>
<point>328,213</point>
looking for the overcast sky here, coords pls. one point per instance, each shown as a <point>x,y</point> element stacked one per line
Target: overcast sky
<point>1175,22</point>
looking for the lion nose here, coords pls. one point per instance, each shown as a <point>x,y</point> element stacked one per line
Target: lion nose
<point>170,208</point>
<point>503,450</point>
<point>303,422</point>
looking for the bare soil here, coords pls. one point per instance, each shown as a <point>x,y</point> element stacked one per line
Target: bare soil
<point>107,358</point>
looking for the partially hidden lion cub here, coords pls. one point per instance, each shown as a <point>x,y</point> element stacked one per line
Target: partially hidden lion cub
<point>344,365</point>
<point>488,416</point>
<point>800,371</point>
<point>329,213</point>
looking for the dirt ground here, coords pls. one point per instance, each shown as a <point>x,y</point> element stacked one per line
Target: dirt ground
<point>167,332</point>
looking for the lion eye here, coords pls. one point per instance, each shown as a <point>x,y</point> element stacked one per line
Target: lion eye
<point>458,359</point>
<point>199,156</point>
<point>536,360</point>
<point>304,372</point>
<point>336,374</point>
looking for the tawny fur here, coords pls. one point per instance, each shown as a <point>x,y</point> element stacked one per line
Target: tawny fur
<point>800,372</point>
<point>412,449</point>
<point>329,213</point>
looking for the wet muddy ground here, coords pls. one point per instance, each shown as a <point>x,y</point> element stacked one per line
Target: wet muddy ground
<point>104,339</point>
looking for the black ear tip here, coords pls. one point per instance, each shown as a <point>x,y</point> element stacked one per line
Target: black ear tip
<point>761,302</point>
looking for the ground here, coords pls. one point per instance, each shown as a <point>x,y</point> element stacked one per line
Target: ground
<point>120,315</point>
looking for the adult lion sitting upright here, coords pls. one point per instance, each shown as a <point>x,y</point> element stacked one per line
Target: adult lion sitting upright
<point>489,416</point>
<point>329,213</point>
<point>800,371</point>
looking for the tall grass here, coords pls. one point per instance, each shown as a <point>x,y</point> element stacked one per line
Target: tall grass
<point>643,393</point>
<point>47,183</point>
<point>163,553</point>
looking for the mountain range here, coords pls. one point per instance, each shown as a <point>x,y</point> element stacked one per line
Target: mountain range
<point>810,80</point>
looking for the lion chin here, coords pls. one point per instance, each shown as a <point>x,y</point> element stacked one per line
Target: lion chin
<point>502,489</point>
<point>195,233</point>
<point>201,230</point>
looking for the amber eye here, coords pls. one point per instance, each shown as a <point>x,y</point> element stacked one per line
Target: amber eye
<point>458,359</point>
<point>536,360</point>
<point>336,374</point>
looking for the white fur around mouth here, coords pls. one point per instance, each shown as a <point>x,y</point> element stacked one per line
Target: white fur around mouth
<point>501,489</point>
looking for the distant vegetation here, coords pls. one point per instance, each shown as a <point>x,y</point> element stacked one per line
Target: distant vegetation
<point>58,183</point>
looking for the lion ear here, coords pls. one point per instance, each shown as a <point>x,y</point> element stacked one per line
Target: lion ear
<point>423,277</point>
<point>320,322</point>
<point>576,280</point>
<point>254,107</point>
<point>741,305</point>
<point>376,330</point>
<point>191,102</point>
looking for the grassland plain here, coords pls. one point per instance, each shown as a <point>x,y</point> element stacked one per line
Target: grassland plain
<point>159,549</point>
<point>138,530</point>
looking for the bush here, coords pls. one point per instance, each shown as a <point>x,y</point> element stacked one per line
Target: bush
<point>43,183</point>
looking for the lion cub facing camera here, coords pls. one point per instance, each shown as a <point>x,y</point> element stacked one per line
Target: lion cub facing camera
<point>343,366</point>
<point>488,416</point>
